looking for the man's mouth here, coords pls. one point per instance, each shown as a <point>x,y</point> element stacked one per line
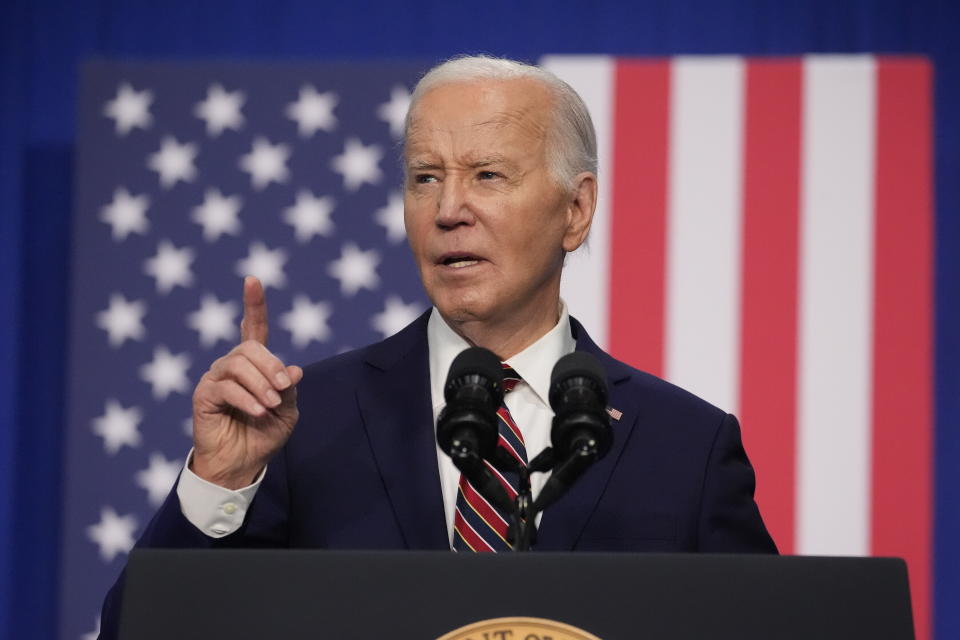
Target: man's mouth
<point>458,260</point>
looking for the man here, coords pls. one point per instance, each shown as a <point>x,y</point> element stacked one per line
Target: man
<point>500,184</point>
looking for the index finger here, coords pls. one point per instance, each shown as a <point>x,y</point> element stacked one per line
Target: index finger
<point>254,325</point>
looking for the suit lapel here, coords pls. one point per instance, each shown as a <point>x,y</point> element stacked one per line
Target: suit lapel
<point>394,400</point>
<point>564,522</point>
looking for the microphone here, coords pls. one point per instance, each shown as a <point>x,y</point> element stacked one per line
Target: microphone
<point>578,397</point>
<point>467,428</point>
<point>473,391</point>
<point>581,433</point>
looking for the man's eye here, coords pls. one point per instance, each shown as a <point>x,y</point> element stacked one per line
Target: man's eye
<point>488,175</point>
<point>424,178</point>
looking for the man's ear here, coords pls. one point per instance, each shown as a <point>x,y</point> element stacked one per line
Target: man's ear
<point>580,209</point>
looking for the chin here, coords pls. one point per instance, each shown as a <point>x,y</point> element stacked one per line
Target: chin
<point>462,308</point>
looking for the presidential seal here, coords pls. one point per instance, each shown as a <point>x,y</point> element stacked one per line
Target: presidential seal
<point>518,629</point>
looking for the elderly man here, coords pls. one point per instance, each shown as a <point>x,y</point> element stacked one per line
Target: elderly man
<point>500,184</point>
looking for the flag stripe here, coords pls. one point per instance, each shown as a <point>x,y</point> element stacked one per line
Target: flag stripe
<point>638,238</point>
<point>836,306</point>
<point>902,461</point>
<point>768,327</point>
<point>585,285</point>
<point>703,256</point>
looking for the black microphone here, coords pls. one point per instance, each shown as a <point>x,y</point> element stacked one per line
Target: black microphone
<point>467,428</point>
<point>473,391</point>
<point>578,397</point>
<point>581,432</point>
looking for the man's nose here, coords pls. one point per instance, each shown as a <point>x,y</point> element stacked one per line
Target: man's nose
<point>453,205</point>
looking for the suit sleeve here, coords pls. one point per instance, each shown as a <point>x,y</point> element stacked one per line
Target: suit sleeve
<point>729,519</point>
<point>264,526</point>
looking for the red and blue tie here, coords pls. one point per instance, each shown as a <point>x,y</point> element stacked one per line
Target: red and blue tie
<point>478,525</point>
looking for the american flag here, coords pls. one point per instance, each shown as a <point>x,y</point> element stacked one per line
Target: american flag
<point>188,177</point>
<point>763,238</point>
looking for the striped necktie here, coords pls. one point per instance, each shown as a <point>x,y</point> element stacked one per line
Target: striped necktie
<point>478,525</point>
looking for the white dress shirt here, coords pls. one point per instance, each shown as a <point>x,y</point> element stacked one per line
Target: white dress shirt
<point>219,512</point>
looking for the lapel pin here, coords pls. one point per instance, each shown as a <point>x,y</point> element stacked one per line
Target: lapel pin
<point>616,414</point>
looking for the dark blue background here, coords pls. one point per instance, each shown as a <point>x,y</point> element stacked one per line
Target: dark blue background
<point>42,44</point>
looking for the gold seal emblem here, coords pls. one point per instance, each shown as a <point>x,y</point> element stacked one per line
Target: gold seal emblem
<point>518,629</point>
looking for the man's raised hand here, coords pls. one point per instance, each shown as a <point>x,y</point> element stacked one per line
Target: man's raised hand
<point>245,405</point>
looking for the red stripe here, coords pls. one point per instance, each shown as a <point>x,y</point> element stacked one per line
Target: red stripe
<point>508,420</point>
<point>639,211</point>
<point>483,508</point>
<point>902,336</point>
<point>769,302</point>
<point>466,532</point>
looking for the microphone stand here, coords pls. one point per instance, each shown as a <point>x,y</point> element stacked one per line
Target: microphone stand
<point>523,528</point>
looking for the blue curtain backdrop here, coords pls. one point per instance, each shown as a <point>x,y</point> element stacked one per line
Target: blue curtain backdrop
<point>43,43</point>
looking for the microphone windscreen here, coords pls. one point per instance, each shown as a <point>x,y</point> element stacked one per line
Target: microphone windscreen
<point>577,365</point>
<point>476,361</point>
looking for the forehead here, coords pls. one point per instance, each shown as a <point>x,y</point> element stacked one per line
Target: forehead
<point>473,116</point>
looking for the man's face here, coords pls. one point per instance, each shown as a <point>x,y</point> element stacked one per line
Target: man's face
<point>487,223</point>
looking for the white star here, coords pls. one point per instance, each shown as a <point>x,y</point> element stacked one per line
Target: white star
<point>358,164</point>
<point>114,533</point>
<point>166,372</point>
<point>159,477</point>
<point>170,266</point>
<point>174,161</point>
<point>307,321</point>
<point>122,320</point>
<point>214,320</point>
<point>310,216</point>
<point>395,316</point>
<point>355,269</point>
<point>265,264</point>
<point>394,112</point>
<point>266,163</point>
<point>93,635</point>
<point>218,214</point>
<point>129,109</point>
<point>313,111</point>
<point>221,110</point>
<point>390,218</point>
<point>118,426</point>
<point>126,214</point>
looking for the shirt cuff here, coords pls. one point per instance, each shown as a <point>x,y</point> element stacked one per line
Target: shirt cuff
<point>213,509</point>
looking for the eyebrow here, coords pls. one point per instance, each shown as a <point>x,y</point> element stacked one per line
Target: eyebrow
<point>483,161</point>
<point>486,161</point>
<point>423,165</point>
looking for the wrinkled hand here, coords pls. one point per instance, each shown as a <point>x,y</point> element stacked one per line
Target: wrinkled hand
<point>245,406</point>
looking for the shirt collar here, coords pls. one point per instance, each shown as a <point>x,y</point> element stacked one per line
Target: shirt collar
<point>534,364</point>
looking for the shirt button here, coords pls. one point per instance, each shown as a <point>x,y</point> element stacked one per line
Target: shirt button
<point>229,508</point>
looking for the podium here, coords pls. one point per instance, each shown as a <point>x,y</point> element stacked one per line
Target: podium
<point>301,594</point>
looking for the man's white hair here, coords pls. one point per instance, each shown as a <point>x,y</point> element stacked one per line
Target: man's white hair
<point>571,140</point>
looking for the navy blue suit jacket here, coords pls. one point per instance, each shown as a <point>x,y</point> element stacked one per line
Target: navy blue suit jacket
<point>360,469</point>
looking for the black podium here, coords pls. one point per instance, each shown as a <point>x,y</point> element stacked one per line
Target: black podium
<point>302,594</point>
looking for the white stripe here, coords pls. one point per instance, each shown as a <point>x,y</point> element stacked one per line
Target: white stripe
<point>586,279</point>
<point>703,229</point>
<point>836,306</point>
<point>509,487</point>
<point>485,501</point>
<point>470,526</point>
<point>507,444</point>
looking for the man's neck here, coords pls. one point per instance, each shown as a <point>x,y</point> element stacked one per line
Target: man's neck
<point>511,336</point>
